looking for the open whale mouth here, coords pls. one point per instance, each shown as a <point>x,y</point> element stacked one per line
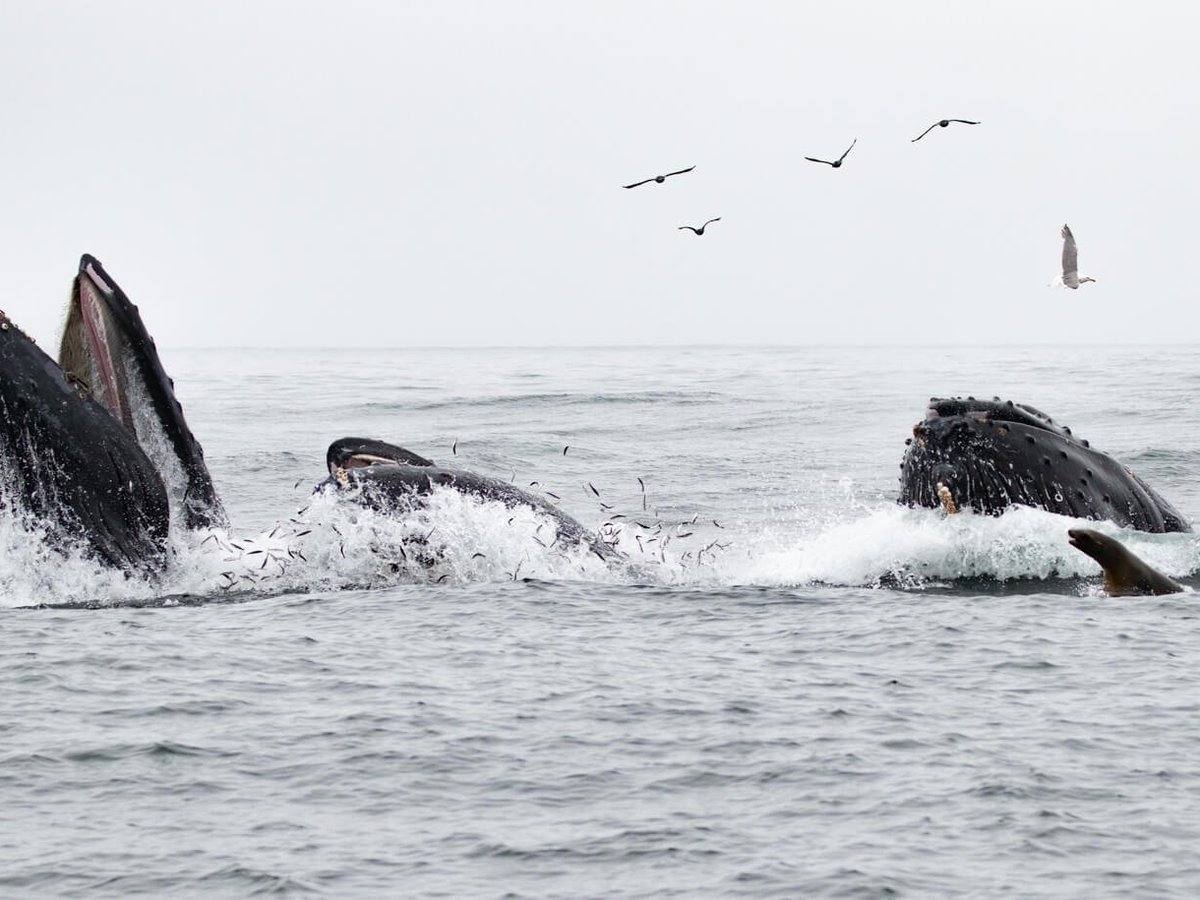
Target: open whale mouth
<point>393,479</point>
<point>362,460</point>
<point>93,348</point>
<point>359,453</point>
<point>106,350</point>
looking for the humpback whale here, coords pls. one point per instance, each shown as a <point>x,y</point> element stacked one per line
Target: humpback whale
<point>391,479</point>
<point>105,345</point>
<point>989,455</point>
<point>67,463</point>
<point>95,449</point>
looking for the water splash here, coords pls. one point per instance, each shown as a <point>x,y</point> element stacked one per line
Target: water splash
<point>455,539</point>
<point>917,547</point>
<point>33,572</point>
<point>335,544</point>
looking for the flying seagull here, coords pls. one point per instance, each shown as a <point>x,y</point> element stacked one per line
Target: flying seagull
<point>658,178</point>
<point>1070,273</point>
<point>943,123</point>
<point>699,230</point>
<point>839,159</point>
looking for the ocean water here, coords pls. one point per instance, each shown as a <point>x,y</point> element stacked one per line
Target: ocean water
<point>789,686</point>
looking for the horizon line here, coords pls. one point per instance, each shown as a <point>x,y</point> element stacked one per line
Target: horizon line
<point>906,345</point>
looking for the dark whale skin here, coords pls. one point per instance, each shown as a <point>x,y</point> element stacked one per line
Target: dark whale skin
<point>391,479</point>
<point>202,508</point>
<point>66,461</point>
<point>993,454</point>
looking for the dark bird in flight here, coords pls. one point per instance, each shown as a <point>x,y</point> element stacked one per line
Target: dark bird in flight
<point>838,162</point>
<point>699,230</point>
<point>942,124</point>
<point>659,179</point>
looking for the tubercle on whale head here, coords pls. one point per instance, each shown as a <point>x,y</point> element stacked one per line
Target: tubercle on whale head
<point>997,413</point>
<point>7,324</point>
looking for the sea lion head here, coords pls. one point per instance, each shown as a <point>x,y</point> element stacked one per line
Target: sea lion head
<point>1125,574</point>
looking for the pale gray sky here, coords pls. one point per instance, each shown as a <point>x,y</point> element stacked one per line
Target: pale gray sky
<point>429,173</point>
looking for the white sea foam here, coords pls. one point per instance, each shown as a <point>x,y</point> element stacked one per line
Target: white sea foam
<point>31,573</point>
<point>333,544</point>
<point>330,544</point>
<point>913,547</point>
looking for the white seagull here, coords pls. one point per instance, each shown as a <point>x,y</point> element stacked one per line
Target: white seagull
<point>1070,262</point>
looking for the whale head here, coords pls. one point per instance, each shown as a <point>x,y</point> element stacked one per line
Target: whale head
<point>357,453</point>
<point>992,454</point>
<point>70,467</point>
<point>106,349</point>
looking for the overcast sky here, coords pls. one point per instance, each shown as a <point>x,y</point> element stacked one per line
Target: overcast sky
<point>448,174</point>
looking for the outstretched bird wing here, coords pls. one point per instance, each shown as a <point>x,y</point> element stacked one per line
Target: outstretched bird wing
<point>710,221</point>
<point>680,172</point>
<point>925,132</point>
<point>827,162</point>
<point>1070,259</point>
<point>637,183</point>
<point>964,121</point>
<point>848,149</point>
<point>689,228</point>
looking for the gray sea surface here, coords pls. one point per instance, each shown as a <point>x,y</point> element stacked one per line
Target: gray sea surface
<point>788,686</point>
